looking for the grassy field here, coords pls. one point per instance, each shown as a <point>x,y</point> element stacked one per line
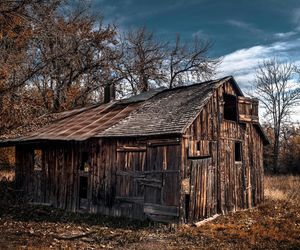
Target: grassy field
<point>273,225</point>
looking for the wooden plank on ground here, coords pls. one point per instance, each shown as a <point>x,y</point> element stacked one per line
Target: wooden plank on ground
<point>160,209</point>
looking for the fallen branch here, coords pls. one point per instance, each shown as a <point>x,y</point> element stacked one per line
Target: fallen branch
<point>72,237</point>
<point>200,223</point>
<point>40,204</point>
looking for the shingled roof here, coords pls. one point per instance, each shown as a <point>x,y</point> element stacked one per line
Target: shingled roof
<point>168,112</point>
<point>81,124</point>
<point>159,112</point>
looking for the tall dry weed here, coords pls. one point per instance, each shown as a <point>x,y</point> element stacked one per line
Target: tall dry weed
<point>283,188</point>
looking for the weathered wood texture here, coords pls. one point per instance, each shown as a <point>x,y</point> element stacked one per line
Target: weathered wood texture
<point>248,109</point>
<point>217,182</point>
<point>214,166</point>
<point>122,175</point>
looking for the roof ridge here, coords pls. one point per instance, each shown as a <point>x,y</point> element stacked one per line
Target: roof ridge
<point>168,111</point>
<point>198,83</point>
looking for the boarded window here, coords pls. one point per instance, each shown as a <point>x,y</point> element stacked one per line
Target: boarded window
<point>230,107</point>
<point>199,149</point>
<point>238,151</point>
<point>247,109</point>
<point>84,166</point>
<point>37,160</point>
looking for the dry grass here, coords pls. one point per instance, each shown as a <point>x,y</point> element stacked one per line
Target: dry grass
<point>283,188</point>
<point>272,225</point>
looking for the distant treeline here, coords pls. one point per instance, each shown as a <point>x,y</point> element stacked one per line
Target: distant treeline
<point>289,153</point>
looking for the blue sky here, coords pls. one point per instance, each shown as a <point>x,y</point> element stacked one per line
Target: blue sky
<point>244,32</point>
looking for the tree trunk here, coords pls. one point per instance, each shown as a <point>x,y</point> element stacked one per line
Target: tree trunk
<point>145,85</point>
<point>276,154</point>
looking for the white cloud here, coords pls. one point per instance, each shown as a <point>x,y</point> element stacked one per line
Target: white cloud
<point>168,7</point>
<point>296,16</point>
<point>244,25</point>
<point>242,64</point>
<point>200,34</point>
<point>285,35</point>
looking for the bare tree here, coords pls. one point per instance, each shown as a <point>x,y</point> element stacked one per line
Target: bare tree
<point>290,150</point>
<point>188,63</point>
<point>51,59</point>
<point>16,31</point>
<point>277,87</point>
<point>142,59</point>
<point>146,60</point>
<point>76,50</point>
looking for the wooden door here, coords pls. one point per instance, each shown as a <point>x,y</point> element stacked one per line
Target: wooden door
<point>161,181</point>
<point>130,173</point>
<point>203,193</point>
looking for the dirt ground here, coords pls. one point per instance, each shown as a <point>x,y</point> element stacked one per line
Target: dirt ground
<point>273,225</point>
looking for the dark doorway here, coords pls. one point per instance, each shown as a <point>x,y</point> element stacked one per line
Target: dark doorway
<point>230,107</point>
<point>83,192</point>
<point>83,187</point>
<point>187,207</point>
<point>238,151</point>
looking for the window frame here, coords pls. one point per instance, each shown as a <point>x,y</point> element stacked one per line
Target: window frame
<point>37,155</point>
<point>84,162</point>
<point>225,107</point>
<point>240,150</point>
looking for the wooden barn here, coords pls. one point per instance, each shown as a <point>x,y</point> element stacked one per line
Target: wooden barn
<point>181,155</point>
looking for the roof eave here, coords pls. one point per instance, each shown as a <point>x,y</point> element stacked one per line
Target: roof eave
<point>263,135</point>
<point>236,86</point>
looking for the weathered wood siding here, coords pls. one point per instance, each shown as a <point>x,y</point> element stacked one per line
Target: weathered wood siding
<point>165,178</point>
<point>57,181</point>
<point>216,182</point>
<point>135,178</point>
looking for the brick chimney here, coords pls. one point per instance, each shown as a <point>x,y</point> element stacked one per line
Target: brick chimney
<point>109,93</point>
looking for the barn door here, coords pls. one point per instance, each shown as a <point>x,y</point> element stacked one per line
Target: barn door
<point>161,181</point>
<point>130,172</point>
<point>203,194</point>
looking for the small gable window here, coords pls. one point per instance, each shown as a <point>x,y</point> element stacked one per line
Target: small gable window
<point>238,151</point>
<point>37,160</point>
<point>230,107</point>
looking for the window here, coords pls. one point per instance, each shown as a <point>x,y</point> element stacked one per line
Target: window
<point>37,160</point>
<point>238,151</point>
<point>199,149</point>
<point>230,107</point>
<point>84,166</point>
